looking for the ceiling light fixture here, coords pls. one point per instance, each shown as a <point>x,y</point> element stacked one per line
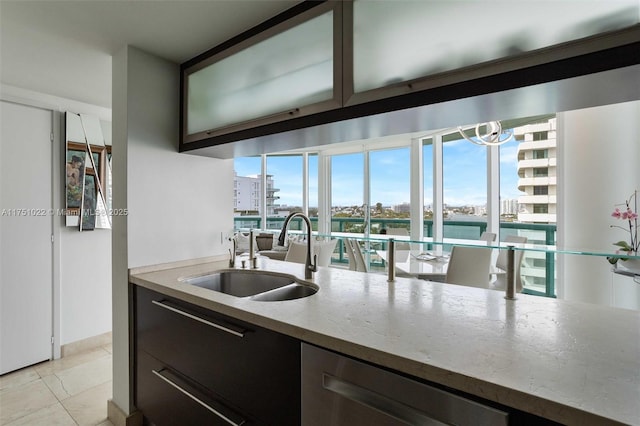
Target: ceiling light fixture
<point>493,135</point>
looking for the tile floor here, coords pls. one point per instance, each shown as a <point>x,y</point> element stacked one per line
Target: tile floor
<point>68,391</point>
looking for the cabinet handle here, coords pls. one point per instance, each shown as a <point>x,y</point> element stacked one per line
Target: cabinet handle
<point>378,402</point>
<point>198,400</point>
<point>202,320</point>
<point>288,113</point>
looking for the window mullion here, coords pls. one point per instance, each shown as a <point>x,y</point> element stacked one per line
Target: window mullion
<point>305,183</point>
<point>263,192</point>
<point>417,191</point>
<point>438,191</point>
<point>493,190</point>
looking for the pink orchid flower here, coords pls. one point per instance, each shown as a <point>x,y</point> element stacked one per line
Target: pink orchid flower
<point>616,213</point>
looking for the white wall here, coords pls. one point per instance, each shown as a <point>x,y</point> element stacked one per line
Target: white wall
<point>600,154</point>
<point>85,283</point>
<point>179,205</point>
<point>82,261</point>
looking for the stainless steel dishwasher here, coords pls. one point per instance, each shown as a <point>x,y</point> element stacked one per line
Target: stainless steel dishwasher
<point>337,390</point>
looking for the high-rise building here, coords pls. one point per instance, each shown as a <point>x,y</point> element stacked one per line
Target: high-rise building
<point>246,194</point>
<point>537,172</point>
<point>509,207</point>
<point>537,179</point>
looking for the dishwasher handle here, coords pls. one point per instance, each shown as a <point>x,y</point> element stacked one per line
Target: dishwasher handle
<point>378,402</point>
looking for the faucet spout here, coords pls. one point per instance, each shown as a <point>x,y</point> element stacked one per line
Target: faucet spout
<point>232,252</point>
<point>310,266</point>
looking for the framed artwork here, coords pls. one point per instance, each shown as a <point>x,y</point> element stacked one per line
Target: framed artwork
<point>89,202</point>
<point>75,165</point>
<point>78,166</point>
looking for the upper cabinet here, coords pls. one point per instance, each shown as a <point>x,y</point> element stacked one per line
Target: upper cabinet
<point>402,47</point>
<point>328,61</point>
<point>289,70</point>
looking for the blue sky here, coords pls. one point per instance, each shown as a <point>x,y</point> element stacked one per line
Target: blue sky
<point>464,175</point>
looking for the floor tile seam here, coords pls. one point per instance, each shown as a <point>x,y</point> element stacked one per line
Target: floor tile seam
<point>19,385</point>
<point>56,372</point>
<point>53,391</point>
<point>67,411</point>
<point>33,411</point>
<point>81,393</point>
<point>89,389</point>
<point>71,395</point>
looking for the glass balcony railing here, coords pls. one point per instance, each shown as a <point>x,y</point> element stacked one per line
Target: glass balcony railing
<point>538,268</point>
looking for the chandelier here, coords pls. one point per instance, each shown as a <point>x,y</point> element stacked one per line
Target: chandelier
<point>492,136</point>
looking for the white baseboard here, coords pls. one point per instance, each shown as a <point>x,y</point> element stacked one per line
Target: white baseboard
<point>86,344</point>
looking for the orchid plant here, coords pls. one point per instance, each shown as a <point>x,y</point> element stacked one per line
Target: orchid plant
<point>629,214</point>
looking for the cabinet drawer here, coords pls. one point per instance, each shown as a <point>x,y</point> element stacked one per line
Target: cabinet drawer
<point>254,368</point>
<point>337,390</point>
<point>168,398</point>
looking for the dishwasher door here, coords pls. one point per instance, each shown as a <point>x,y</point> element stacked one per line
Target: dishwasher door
<point>337,390</point>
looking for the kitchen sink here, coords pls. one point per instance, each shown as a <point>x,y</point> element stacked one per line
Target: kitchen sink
<point>256,285</point>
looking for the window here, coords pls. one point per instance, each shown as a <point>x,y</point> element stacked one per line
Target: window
<point>347,186</point>
<point>540,190</point>
<point>539,263</point>
<point>464,169</point>
<point>313,185</point>
<point>370,190</point>
<point>540,136</point>
<point>540,172</point>
<point>541,208</point>
<point>389,188</point>
<point>284,188</point>
<point>427,159</point>
<point>248,171</point>
<point>540,153</point>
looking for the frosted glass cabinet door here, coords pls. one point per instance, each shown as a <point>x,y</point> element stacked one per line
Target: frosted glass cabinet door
<point>286,71</point>
<point>399,41</point>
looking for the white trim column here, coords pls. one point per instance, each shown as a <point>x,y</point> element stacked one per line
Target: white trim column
<point>366,199</point>
<point>324,193</point>
<point>493,190</point>
<point>305,184</point>
<point>366,192</point>
<point>417,190</point>
<point>263,191</point>
<point>438,189</point>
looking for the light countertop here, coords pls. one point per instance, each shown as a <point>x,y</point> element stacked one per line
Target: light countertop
<point>571,362</point>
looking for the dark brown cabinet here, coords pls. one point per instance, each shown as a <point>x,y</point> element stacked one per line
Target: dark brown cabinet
<point>194,366</point>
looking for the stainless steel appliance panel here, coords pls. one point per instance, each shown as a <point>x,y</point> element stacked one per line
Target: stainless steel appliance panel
<point>337,390</point>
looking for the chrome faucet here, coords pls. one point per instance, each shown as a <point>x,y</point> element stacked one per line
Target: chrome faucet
<point>309,266</point>
<point>232,252</point>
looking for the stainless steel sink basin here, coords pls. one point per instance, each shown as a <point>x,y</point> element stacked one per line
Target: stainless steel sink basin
<point>256,285</point>
<point>287,292</point>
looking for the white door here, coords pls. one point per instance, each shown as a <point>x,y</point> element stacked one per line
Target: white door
<point>26,226</point>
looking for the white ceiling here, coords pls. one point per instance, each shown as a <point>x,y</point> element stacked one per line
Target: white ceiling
<point>64,47</point>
